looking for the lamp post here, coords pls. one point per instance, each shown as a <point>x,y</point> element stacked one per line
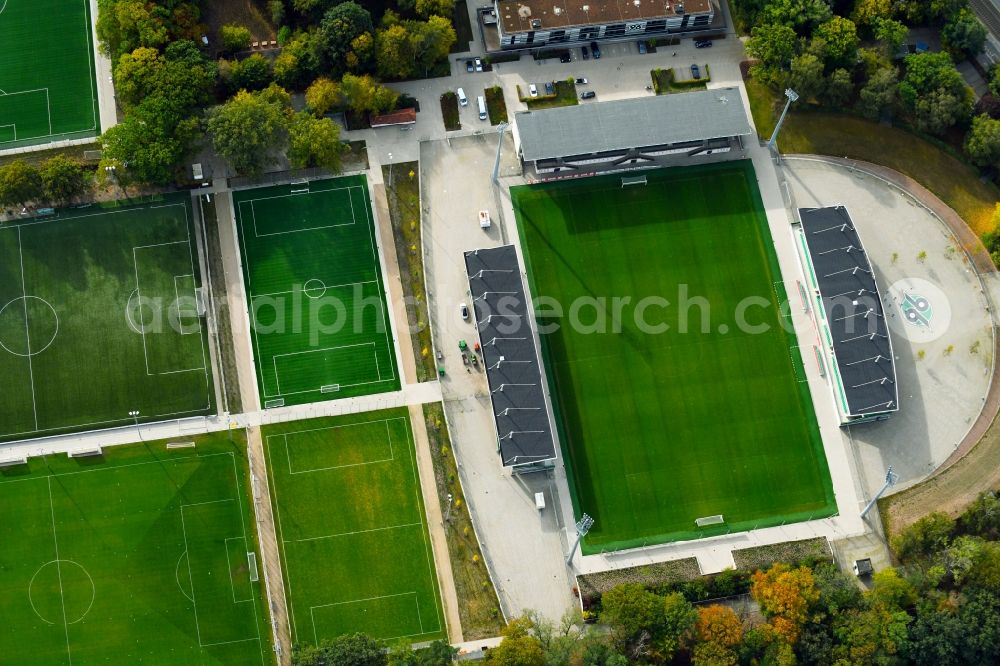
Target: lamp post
<point>890,480</point>
<point>135,417</point>
<point>792,96</point>
<point>582,527</point>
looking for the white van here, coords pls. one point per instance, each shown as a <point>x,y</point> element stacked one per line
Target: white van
<point>482,107</point>
<point>462,99</point>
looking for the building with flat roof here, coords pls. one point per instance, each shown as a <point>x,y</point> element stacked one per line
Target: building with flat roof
<point>511,359</point>
<point>855,346</point>
<point>552,23</point>
<point>636,133</point>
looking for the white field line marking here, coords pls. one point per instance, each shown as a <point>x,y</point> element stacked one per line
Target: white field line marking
<point>229,568</point>
<point>177,576</point>
<point>194,603</point>
<point>343,534</point>
<point>312,610</point>
<point>386,323</point>
<point>62,594</point>
<point>289,597</point>
<point>116,467</point>
<point>277,375</point>
<point>428,554</point>
<point>85,426</point>
<point>323,469</point>
<point>243,524</point>
<point>12,126</point>
<point>293,291</point>
<point>202,324</point>
<point>27,327</point>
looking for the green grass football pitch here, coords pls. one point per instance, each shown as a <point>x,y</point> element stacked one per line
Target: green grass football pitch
<point>314,284</point>
<point>98,318</point>
<point>350,524</point>
<point>139,556</point>
<point>47,86</point>
<point>661,427</point>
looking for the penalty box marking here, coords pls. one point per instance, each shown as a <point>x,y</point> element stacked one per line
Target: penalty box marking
<point>388,435</point>
<point>253,211</point>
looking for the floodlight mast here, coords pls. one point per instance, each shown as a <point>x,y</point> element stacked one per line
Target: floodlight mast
<point>792,96</point>
<point>890,480</point>
<point>582,527</point>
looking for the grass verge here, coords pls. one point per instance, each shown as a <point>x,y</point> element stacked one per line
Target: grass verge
<point>664,82</point>
<point>565,95</point>
<point>403,194</point>
<point>762,557</point>
<point>478,605</point>
<point>223,322</point>
<point>449,111</point>
<point>933,165</point>
<point>496,105</point>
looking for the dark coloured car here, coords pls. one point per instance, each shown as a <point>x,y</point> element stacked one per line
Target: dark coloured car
<point>695,72</point>
<point>469,66</point>
<point>590,94</point>
<point>702,43</point>
<point>642,47</point>
<point>565,57</point>
<point>581,80</point>
<point>549,89</point>
<point>585,53</point>
<point>596,50</point>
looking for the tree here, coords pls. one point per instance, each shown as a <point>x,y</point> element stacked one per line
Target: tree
<point>126,25</point>
<point>785,594</point>
<point>892,591</point>
<point>181,74</point>
<point>251,74</point>
<point>963,34</point>
<point>248,128</point>
<point>713,654</point>
<point>891,33</point>
<point>839,89</point>
<point>427,8</point>
<point>518,647</point>
<point>841,41</point>
<point>719,624</point>
<point>937,638</point>
<point>806,76</point>
<point>341,26</point>
<point>982,517</point>
<point>432,40</point>
<point>995,81</point>
<point>773,44</point>
<point>926,72</point>
<point>356,650</point>
<point>629,610</point>
<point>314,142</point>
<point>872,636</point>
<point>980,615</point>
<point>298,62</point>
<point>803,15</point>
<point>394,52</point>
<point>149,143</point>
<point>437,653</point>
<point>676,628</point>
<point>322,96</point>
<point>362,53</point>
<point>361,94</point>
<point>236,38</point>
<point>64,179</point>
<point>940,109</point>
<point>869,12</point>
<point>982,145</point>
<point>20,184</point>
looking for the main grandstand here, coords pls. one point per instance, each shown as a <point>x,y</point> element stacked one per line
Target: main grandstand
<point>855,342</point>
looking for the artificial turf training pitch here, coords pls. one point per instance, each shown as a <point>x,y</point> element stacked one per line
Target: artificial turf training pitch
<point>661,428</point>
<point>99,317</point>
<point>139,556</point>
<point>47,81</point>
<point>314,283</point>
<point>350,525</point>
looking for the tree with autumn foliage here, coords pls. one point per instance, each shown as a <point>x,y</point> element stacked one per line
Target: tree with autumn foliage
<point>785,595</point>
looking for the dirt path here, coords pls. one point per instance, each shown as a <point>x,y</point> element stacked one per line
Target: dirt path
<point>267,537</point>
<point>435,524</point>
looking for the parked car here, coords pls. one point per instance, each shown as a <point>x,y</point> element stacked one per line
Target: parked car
<point>463,310</point>
<point>585,53</point>
<point>596,50</point>
<point>549,88</point>
<point>702,43</point>
<point>695,72</point>
<point>470,66</point>
<point>532,90</point>
<point>642,47</point>
<point>581,81</point>
<point>565,57</point>
<point>590,94</point>
<point>479,65</point>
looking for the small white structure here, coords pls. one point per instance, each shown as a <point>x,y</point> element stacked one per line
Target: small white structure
<point>484,219</point>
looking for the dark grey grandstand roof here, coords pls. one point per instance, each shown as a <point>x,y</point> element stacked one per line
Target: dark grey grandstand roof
<point>631,123</point>
<point>510,356</point>
<point>854,310</point>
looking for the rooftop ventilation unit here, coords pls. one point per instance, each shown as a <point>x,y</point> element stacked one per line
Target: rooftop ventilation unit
<point>524,11</point>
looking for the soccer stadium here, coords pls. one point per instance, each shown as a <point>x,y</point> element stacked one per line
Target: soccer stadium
<point>688,416</point>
